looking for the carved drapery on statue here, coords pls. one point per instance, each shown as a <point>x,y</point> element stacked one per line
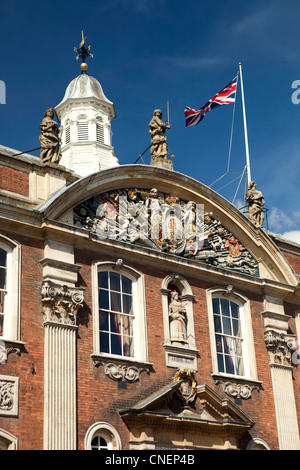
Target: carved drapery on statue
<point>166,223</point>
<point>49,139</point>
<point>178,319</point>
<point>256,203</point>
<point>159,148</point>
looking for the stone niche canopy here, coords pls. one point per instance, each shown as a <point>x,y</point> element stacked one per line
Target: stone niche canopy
<point>166,223</point>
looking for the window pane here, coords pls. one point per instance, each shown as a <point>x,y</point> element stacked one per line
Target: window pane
<point>127,304</point>
<point>115,282</point>
<point>225,307</point>
<point>217,321</point>
<point>239,365</point>
<point>116,344</point>
<point>2,257</point>
<point>1,324</point>
<point>226,325</point>
<point>103,319</point>
<point>229,365</point>
<point>127,346</point>
<point>127,325</point>
<point>234,310</point>
<point>2,278</point>
<point>220,362</point>
<point>103,299</point>
<point>103,279</point>
<point>236,328</point>
<point>126,285</point>
<point>104,342</point>
<point>115,323</point>
<point>219,343</point>
<point>115,301</point>
<point>216,307</point>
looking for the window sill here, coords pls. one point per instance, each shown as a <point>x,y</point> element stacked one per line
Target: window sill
<point>10,346</point>
<point>121,368</point>
<point>237,386</point>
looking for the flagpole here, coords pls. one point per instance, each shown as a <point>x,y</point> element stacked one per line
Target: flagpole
<point>245,127</point>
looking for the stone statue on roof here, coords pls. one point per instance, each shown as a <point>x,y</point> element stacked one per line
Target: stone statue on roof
<point>49,139</point>
<point>159,148</point>
<point>256,202</point>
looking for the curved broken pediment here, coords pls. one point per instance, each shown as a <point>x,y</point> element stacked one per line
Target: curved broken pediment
<point>164,222</point>
<point>228,241</point>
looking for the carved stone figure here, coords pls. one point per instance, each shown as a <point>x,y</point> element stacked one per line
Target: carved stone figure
<point>164,222</point>
<point>157,128</point>
<point>177,315</point>
<point>256,202</point>
<point>49,139</point>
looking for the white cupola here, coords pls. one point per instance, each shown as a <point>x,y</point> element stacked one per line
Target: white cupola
<point>85,115</point>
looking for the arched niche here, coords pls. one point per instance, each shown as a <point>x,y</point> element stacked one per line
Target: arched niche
<point>178,318</point>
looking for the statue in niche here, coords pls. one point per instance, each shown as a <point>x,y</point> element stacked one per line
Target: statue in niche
<point>157,128</point>
<point>256,202</point>
<point>178,319</point>
<point>49,139</point>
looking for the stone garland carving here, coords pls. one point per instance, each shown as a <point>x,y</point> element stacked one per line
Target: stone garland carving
<point>165,223</point>
<point>280,347</point>
<point>237,390</point>
<point>125,373</point>
<point>61,303</point>
<point>6,395</point>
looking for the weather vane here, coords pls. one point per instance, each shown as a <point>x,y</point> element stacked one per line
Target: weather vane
<point>83,53</point>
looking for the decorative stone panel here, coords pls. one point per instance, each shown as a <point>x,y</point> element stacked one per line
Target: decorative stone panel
<point>9,395</point>
<point>238,388</point>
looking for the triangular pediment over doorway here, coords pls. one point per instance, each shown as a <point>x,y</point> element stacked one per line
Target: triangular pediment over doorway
<point>172,418</point>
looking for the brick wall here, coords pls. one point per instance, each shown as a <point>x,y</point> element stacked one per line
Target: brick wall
<point>13,180</point>
<point>29,366</point>
<point>99,397</point>
<point>294,261</point>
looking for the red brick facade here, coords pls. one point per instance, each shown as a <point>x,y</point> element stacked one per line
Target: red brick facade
<point>14,181</point>
<point>98,397</point>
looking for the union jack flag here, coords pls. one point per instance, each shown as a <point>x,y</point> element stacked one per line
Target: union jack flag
<point>225,96</point>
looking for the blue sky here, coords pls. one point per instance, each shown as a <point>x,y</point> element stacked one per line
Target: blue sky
<point>148,52</point>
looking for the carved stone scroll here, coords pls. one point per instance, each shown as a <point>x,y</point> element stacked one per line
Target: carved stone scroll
<point>61,303</point>
<point>280,347</point>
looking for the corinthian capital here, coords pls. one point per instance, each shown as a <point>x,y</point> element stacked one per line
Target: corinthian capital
<point>61,303</point>
<point>280,347</point>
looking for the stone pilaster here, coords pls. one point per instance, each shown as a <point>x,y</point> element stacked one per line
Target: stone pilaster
<point>280,346</point>
<point>60,306</point>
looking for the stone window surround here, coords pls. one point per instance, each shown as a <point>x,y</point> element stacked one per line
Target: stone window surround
<point>8,441</point>
<point>105,430</point>
<point>11,337</point>
<point>116,367</point>
<point>238,384</point>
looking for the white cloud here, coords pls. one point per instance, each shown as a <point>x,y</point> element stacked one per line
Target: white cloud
<point>279,219</point>
<point>293,235</point>
<point>197,62</point>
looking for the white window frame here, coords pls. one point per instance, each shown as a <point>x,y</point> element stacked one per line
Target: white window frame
<point>11,329</point>
<point>139,310</point>
<point>105,430</point>
<point>8,441</point>
<point>250,370</point>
